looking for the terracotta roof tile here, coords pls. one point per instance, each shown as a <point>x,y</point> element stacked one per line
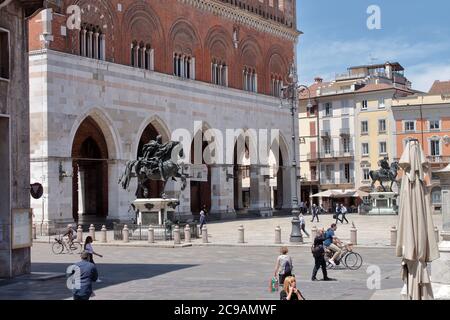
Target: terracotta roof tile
<point>440,87</point>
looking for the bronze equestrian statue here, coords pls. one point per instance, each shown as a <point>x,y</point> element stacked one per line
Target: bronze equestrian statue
<point>385,173</point>
<point>155,164</point>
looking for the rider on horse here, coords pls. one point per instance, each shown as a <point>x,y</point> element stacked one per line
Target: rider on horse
<point>152,153</point>
<point>385,167</point>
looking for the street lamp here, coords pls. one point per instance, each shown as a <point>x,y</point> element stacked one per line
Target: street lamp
<point>290,94</point>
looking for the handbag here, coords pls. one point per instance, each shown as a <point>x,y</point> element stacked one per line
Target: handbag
<point>273,285</point>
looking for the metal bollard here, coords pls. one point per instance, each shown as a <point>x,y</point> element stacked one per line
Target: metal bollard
<point>80,234</point>
<point>103,234</point>
<point>241,234</point>
<point>393,236</point>
<point>187,233</point>
<point>204,234</point>
<point>92,232</point>
<point>125,234</point>
<point>313,232</point>
<point>436,234</point>
<point>353,236</point>
<point>151,235</point>
<point>33,231</point>
<point>277,235</point>
<point>176,235</point>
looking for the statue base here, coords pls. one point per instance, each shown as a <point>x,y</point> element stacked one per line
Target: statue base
<point>440,277</point>
<point>383,203</point>
<point>155,211</point>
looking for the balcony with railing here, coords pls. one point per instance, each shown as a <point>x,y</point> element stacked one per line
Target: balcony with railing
<point>325,133</point>
<point>310,177</point>
<point>439,159</point>
<point>344,132</point>
<point>336,182</point>
<point>331,154</point>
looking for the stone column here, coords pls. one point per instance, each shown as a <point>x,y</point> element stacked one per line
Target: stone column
<point>102,47</point>
<point>222,200</point>
<point>83,42</point>
<point>96,46</point>
<point>143,55</point>
<point>260,190</point>
<point>440,277</point>
<point>136,55</point>
<point>89,44</point>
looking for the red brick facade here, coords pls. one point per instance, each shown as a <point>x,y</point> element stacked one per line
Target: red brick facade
<point>175,26</point>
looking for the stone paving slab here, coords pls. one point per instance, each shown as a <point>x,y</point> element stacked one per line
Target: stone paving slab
<point>202,273</point>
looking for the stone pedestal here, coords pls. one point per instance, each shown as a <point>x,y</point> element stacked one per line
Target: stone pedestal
<point>155,211</point>
<point>440,277</point>
<point>383,203</point>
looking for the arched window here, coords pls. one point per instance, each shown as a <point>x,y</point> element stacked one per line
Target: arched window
<point>276,83</point>
<point>142,55</point>
<point>183,66</point>
<point>250,79</point>
<point>219,73</point>
<point>92,42</point>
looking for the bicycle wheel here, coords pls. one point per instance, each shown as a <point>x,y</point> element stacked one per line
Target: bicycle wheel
<point>76,247</point>
<point>57,248</point>
<point>353,261</point>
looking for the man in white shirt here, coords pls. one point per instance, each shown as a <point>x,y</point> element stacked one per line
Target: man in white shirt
<point>343,212</point>
<point>303,224</point>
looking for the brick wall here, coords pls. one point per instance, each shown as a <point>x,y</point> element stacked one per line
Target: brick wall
<point>172,25</point>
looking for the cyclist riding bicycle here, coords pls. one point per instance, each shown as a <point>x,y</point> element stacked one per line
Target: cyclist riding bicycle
<point>333,243</point>
<point>68,237</point>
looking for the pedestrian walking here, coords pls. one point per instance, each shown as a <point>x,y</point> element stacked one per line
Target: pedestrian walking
<point>82,290</point>
<point>303,224</point>
<point>283,266</point>
<point>337,213</point>
<point>343,213</point>
<point>318,252</point>
<point>90,250</point>
<point>202,218</point>
<point>315,212</point>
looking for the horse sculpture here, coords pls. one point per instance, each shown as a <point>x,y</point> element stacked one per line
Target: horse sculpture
<point>386,173</point>
<point>156,164</point>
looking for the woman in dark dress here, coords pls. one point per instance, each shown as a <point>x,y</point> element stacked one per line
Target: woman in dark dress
<point>290,291</point>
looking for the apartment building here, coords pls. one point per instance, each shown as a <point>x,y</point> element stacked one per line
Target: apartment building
<point>349,128</point>
<point>426,117</point>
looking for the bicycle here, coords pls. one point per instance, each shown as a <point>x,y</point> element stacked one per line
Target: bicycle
<point>349,259</point>
<point>59,245</point>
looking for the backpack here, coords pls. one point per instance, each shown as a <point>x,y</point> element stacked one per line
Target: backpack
<point>286,267</point>
<point>315,250</point>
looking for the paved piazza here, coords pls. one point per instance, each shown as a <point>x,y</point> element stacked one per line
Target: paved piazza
<point>221,270</point>
<point>372,230</point>
<point>200,273</point>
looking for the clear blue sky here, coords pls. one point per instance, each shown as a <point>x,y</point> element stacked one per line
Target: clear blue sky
<point>414,33</point>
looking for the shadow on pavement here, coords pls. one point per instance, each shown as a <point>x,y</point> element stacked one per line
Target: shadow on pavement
<point>56,289</point>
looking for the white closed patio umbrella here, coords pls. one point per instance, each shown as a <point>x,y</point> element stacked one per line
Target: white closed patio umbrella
<point>416,243</point>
